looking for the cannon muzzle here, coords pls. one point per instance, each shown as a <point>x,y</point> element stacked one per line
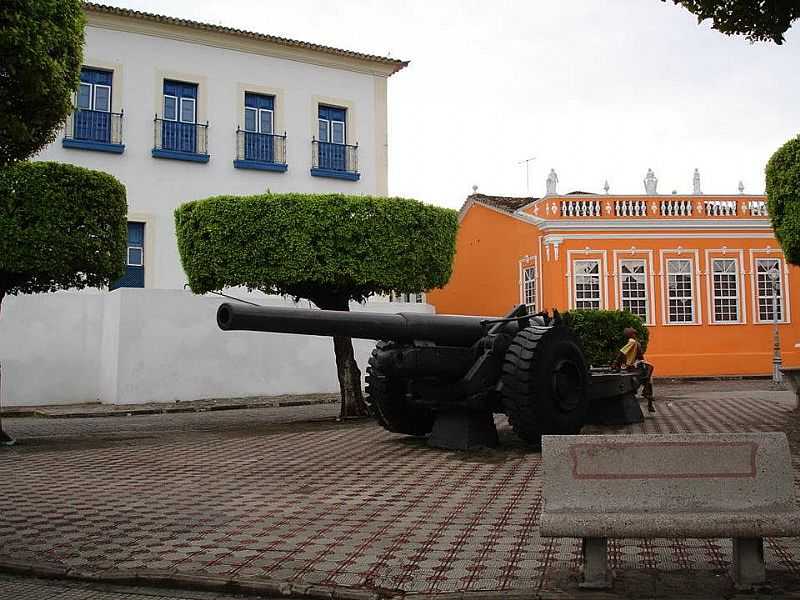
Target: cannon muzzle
<point>446,330</point>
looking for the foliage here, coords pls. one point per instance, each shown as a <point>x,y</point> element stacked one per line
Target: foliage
<point>316,246</point>
<point>759,20</point>
<point>41,45</point>
<point>601,332</point>
<point>62,227</point>
<point>783,196</point>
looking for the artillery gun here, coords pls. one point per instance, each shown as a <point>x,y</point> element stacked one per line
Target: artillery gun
<point>447,375</point>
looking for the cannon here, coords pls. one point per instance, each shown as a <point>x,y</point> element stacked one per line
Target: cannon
<point>445,376</point>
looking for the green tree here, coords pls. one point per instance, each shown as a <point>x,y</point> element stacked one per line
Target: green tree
<point>759,20</point>
<point>63,227</point>
<point>783,197</point>
<point>329,249</point>
<point>41,47</point>
<point>601,332</point>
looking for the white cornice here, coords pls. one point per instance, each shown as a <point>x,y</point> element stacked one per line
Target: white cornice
<point>662,224</point>
<point>559,237</point>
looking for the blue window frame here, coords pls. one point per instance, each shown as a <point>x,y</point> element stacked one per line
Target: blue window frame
<point>134,270</point>
<point>259,143</point>
<point>332,129</point>
<point>178,128</point>
<point>93,104</point>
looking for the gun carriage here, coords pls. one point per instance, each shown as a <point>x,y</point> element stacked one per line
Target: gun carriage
<point>447,375</point>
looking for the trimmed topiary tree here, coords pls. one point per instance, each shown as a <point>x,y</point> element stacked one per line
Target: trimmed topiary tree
<point>63,227</point>
<point>783,197</point>
<point>327,248</point>
<point>41,45</point>
<point>601,332</point>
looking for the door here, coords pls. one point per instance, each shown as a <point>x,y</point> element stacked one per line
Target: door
<point>179,129</point>
<point>93,103</point>
<point>258,125</point>
<point>134,269</point>
<point>332,138</point>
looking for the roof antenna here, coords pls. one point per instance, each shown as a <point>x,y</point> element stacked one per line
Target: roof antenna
<point>527,163</point>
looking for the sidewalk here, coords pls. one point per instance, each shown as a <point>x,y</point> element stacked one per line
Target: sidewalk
<point>246,500</point>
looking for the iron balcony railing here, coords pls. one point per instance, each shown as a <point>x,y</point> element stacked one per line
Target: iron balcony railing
<point>178,136</point>
<point>261,147</point>
<point>94,126</point>
<point>334,157</point>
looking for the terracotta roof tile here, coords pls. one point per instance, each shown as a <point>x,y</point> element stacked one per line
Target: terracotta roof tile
<point>504,203</point>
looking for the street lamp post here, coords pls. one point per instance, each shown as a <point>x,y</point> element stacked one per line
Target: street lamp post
<point>777,376</point>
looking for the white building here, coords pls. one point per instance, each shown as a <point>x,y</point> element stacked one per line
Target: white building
<point>177,111</point>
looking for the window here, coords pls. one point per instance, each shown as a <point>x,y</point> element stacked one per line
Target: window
<point>92,120</point>
<point>134,271</point>
<point>633,287</point>
<point>769,283</point>
<point>332,137</point>
<point>258,113</point>
<point>529,288</point>
<point>257,142</point>
<point>178,128</point>
<point>680,299</point>
<point>725,290</point>
<point>587,284</point>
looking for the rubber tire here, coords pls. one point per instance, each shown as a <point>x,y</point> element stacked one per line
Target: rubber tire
<point>530,393</point>
<point>386,400</point>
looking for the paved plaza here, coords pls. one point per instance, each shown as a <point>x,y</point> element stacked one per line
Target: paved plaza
<point>290,498</point>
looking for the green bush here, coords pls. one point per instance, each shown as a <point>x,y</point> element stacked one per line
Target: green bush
<point>783,194</point>
<point>316,246</point>
<point>41,45</point>
<point>601,332</point>
<point>62,227</point>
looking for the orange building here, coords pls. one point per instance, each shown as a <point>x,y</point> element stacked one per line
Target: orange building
<point>705,273</point>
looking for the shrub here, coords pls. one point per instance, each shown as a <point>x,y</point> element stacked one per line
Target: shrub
<point>783,194</point>
<point>601,332</point>
<point>62,227</point>
<point>41,45</point>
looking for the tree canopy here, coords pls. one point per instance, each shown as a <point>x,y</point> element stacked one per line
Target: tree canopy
<point>62,227</point>
<point>601,332</point>
<point>783,197</point>
<point>316,246</point>
<point>759,20</point>
<point>41,45</point>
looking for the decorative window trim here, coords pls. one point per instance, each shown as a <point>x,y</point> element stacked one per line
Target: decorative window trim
<point>773,254</point>
<point>277,97</point>
<point>737,255</point>
<point>525,263</point>
<point>350,117</point>
<point>650,274</point>
<point>697,313</point>
<point>587,254</point>
<point>201,81</point>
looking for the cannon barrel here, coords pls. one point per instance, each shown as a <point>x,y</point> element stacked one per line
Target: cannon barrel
<point>447,330</point>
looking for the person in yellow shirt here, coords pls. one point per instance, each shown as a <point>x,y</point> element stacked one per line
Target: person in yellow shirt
<point>630,357</point>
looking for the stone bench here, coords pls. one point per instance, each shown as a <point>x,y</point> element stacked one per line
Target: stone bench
<point>737,486</point>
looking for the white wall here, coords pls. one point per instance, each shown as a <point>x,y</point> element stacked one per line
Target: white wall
<point>156,187</point>
<point>133,346</point>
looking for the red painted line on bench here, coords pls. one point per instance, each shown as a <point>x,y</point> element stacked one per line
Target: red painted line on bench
<point>750,473</point>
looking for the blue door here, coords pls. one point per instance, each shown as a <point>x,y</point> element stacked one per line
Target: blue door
<point>258,127</point>
<point>134,271</point>
<point>332,138</point>
<point>178,129</point>
<point>93,110</point>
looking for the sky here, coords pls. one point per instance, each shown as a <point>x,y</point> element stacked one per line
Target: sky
<point>596,89</point>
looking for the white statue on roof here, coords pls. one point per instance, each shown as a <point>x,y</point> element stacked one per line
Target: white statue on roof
<point>696,183</point>
<point>650,183</point>
<point>552,183</point>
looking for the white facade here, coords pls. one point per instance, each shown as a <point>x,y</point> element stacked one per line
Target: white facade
<point>141,53</point>
<point>162,344</point>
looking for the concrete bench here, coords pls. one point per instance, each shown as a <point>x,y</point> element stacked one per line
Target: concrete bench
<point>736,486</point>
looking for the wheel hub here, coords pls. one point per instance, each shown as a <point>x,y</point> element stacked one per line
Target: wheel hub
<point>567,385</point>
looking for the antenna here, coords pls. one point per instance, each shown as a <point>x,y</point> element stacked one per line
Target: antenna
<point>527,163</point>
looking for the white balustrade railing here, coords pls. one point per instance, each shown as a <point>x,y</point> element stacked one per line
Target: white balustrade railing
<point>720,208</point>
<point>581,208</point>
<point>630,208</point>
<point>757,208</point>
<point>675,208</point>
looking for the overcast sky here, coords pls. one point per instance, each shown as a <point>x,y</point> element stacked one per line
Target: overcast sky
<point>597,89</point>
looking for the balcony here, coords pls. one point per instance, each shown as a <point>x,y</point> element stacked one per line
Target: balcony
<point>180,141</point>
<point>649,207</point>
<point>339,161</point>
<point>260,151</point>
<point>94,130</point>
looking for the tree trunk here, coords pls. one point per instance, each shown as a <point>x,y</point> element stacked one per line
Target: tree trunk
<point>346,367</point>
<point>5,439</point>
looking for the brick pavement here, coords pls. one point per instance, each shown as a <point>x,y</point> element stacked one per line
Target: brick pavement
<point>336,505</point>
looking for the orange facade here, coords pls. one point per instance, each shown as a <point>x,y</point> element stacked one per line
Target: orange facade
<point>704,272</point>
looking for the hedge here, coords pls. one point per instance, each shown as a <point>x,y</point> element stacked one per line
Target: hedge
<point>41,45</point>
<point>305,245</point>
<point>62,227</point>
<point>783,195</point>
<point>601,332</point>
